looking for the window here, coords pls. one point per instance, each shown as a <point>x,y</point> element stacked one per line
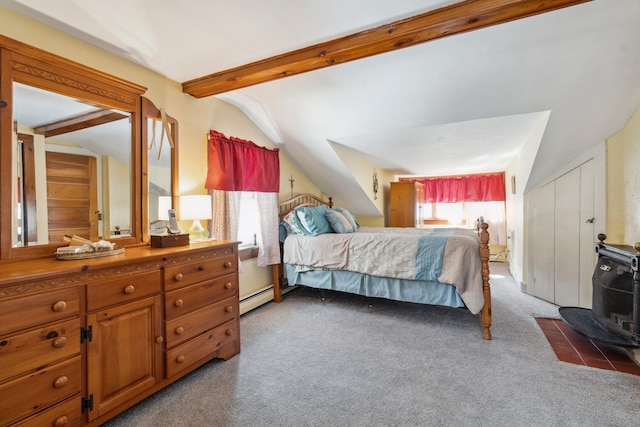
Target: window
<point>444,213</point>
<point>249,221</point>
<point>464,214</point>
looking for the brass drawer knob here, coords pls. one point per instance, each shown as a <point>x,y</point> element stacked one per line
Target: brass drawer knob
<point>179,330</point>
<point>59,306</point>
<point>159,339</point>
<point>229,332</point>
<point>228,285</point>
<point>178,277</point>
<point>228,309</point>
<point>178,302</point>
<point>227,264</point>
<point>59,342</point>
<point>129,289</point>
<point>61,381</point>
<point>61,421</point>
<point>180,359</point>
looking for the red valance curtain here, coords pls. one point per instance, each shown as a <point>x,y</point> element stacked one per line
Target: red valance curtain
<point>468,188</point>
<point>239,165</point>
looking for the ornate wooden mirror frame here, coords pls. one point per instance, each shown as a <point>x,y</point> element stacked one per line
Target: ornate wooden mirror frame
<point>34,67</point>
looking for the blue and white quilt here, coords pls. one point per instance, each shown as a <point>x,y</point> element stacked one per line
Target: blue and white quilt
<point>446,255</point>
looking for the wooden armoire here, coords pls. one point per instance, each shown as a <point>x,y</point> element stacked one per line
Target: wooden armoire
<point>406,200</point>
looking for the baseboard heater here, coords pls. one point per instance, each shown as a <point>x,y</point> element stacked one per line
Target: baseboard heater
<point>256,299</point>
<point>259,297</point>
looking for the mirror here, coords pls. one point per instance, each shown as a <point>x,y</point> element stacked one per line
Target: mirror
<point>160,135</point>
<point>69,143</point>
<point>72,169</point>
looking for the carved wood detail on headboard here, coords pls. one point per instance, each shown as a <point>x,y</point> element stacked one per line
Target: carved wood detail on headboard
<point>304,199</point>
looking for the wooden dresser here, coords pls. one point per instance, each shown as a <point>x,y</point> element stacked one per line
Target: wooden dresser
<point>405,204</point>
<point>83,340</point>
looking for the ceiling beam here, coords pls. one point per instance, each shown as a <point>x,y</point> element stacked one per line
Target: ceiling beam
<point>457,18</point>
<point>81,121</point>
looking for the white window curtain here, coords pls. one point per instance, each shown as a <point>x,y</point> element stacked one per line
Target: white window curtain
<point>224,225</point>
<point>268,243</point>
<point>494,215</point>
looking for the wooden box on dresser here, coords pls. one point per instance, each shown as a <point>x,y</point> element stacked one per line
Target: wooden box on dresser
<point>83,340</point>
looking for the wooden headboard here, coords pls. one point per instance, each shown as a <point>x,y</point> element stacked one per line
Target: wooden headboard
<point>284,207</point>
<point>304,199</point>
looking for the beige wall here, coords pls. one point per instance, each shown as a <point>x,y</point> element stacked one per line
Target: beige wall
<point>362,171</point>
<point>623,184</point>
<point>195,116</point>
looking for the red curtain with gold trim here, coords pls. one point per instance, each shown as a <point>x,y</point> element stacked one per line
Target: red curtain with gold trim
<point>466,188</point>
<point>239,165</point>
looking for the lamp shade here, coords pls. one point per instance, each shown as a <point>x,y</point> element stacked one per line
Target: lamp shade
<point>195,207</point>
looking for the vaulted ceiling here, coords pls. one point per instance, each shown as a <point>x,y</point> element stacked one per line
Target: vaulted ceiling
<point>464,103</point>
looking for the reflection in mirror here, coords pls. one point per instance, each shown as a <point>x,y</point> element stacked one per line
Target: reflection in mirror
<point>159,169</point>
<point>161,137</point>
<point>72,169</point>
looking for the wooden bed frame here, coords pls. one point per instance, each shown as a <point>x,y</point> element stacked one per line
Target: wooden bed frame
<point>307,199</point>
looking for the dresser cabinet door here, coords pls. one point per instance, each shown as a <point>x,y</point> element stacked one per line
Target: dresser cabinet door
<point>124,356</point>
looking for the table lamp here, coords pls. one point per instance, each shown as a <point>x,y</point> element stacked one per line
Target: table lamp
<point>196,208</point>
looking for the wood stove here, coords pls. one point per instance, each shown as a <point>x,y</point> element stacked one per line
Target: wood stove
<point>615,314</point>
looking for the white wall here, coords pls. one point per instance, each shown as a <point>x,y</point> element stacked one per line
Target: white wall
<point>518,173</point>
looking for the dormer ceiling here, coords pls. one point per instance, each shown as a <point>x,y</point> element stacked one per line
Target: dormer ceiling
<point>464,103</point>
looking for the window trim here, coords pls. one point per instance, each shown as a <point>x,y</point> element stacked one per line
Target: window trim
<point>247,252</point>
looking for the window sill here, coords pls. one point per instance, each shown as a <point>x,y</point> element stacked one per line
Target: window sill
<point>248,252</point>
<point>442,222</point>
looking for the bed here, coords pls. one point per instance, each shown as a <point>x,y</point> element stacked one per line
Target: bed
<point>437,266</point>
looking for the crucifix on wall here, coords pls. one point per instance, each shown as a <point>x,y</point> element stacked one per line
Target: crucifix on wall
<point>291,181</point>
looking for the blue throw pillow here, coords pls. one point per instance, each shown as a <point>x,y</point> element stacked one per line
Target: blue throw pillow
<point>312,220</point>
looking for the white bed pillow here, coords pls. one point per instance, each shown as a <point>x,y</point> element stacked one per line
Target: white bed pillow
<point>291,224</point>
<point>350,217</point>
<point>338,221</point>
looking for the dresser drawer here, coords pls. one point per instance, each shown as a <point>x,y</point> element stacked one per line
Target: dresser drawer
<point>188,326</point>
<point>191,352</point>
<point>28,394</point>
<point>67,414</point>
<point>187,274</point>
<point>25,352</point>
<point>24,312</point>
<point>197,296</point>
<point>122,289</point>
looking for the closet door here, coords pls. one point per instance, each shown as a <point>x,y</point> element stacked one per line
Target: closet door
<point>587,233</point>
<point>561,238</point>
<point>542,240</point>
<point>567,239</point>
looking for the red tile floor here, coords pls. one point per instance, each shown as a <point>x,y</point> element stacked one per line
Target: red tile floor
<point>575,348</point>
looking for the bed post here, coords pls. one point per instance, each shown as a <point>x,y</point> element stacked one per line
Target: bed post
<point>486,289</point>
<point>277,292</point>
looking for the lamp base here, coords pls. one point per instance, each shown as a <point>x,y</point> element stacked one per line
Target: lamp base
<point>197,233</point>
